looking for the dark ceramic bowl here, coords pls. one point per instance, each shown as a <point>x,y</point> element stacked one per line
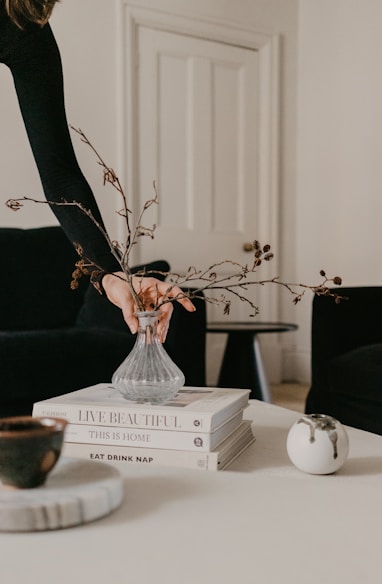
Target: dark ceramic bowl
<point>29,449</point>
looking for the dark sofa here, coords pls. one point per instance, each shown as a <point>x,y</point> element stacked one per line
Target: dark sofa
<point>347,358</point>
<point>54,340</point>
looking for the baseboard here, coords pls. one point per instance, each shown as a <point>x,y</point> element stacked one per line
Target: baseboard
<point>297,366</point>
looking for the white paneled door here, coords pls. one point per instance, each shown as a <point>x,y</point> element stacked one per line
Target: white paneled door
<point>199,133</point>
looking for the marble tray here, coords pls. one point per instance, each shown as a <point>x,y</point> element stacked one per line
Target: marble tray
<point>76,492</point>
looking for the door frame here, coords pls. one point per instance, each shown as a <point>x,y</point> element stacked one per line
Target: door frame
<point>130,18</point>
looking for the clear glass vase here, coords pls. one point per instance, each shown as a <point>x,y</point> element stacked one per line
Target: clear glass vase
<point>148,374</point>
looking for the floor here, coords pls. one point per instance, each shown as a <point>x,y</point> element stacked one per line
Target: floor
<point>290,395</point>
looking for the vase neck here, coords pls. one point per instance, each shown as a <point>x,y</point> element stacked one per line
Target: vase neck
<point>147,327</point>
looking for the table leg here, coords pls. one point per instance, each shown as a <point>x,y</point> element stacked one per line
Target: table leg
<point>263,381</point>
<point>242,365</point>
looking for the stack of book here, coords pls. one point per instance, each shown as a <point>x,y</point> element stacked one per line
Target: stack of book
<point>200,428</point>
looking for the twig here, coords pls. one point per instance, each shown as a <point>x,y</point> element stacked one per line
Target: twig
<point>202,281</point>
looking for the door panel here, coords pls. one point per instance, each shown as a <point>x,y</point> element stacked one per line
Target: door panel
<point>197,137</point>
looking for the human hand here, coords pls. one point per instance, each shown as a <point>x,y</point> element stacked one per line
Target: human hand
<point>151,290</point>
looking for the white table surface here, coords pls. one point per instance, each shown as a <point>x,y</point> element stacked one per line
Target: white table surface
<point>262,521</point>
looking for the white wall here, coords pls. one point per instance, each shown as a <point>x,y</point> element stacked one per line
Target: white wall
<point>339,170</point>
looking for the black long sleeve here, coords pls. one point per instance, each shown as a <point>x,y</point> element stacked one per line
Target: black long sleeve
<point>33,58</point>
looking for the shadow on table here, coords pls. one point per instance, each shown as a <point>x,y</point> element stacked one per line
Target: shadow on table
<point>268,451</point>
<point>371,465</point>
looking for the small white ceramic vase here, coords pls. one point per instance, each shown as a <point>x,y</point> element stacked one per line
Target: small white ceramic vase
<point>318,444</point>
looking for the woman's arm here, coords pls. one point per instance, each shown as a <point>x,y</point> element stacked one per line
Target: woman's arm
<point>34,60</point>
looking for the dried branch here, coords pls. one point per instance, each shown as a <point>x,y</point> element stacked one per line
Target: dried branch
<point>201,281</point>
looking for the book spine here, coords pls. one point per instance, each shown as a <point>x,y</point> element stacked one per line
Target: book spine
<point>117,417</point>
<point>167,439</point>
<point>128,455</point>
<point>123,416</point>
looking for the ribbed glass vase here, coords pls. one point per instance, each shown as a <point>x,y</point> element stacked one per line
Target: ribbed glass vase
<point>148,374</point>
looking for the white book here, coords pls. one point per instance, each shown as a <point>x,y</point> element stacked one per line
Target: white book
<point>138,437</point>
<point>201,408</point>
<point>218,459</point>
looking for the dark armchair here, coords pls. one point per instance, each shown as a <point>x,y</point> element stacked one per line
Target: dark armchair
<point>347,358</point>
<point>54,340</point>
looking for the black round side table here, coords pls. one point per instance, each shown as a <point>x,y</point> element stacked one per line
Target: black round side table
<point>242,364</point>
